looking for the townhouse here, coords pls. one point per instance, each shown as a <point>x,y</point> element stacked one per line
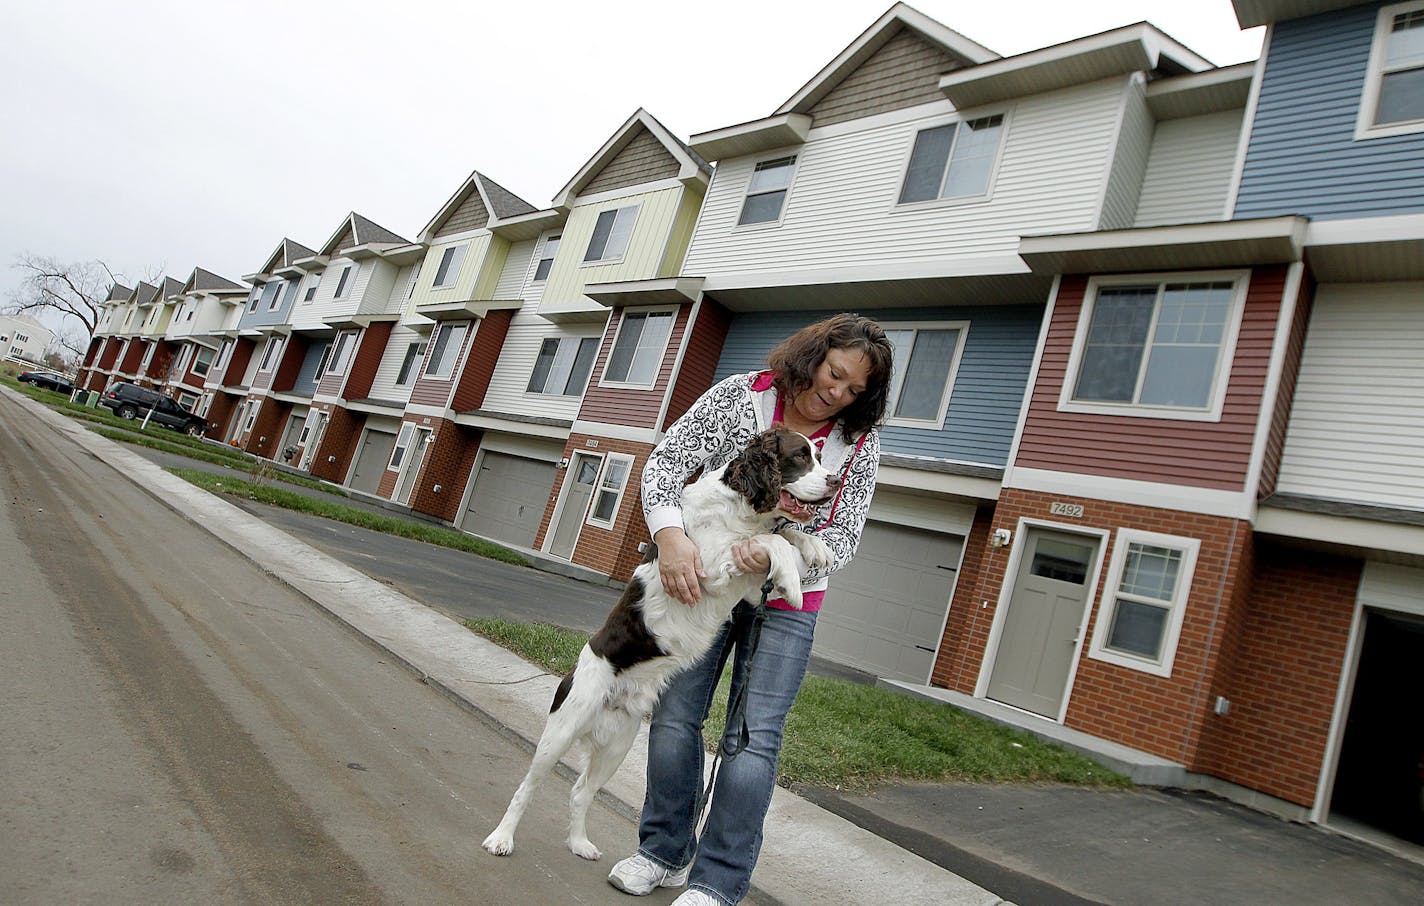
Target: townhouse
<point>104,346</point>
<point>201,309</point>
<point>23,339</point>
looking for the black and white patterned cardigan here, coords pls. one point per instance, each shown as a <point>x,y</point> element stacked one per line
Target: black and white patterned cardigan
<point>721,424</point>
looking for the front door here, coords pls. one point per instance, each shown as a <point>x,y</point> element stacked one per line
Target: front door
<point>583,474</point>
<point>314,432</point>
<point>413,460</point>
<point>1040,633</point>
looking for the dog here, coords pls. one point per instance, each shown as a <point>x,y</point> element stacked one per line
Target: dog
<point>650,635</point>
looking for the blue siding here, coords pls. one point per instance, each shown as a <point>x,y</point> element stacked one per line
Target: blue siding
<point>988,391</point>
<point>1303,157</point>
<point>264,318</point>
<point>305,383</point>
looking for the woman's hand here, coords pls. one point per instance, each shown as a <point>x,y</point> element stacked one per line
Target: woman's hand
<point>751,558</point>
<point>680,565</point>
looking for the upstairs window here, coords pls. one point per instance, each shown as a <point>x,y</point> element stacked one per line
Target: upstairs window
<point>638,350</point>
<point>546,258</point>
<point>610,235</point>
<point>1393,100</point>
<point>202,361</point>
<point>269,295</point>
<point>766,191</point>
<point>563,366</point>
<point>926,360</point>
<point>449,270</point>
<point>953,161</point>
<point>340,352</point>
<point>1155,349</point>
<point>311,290</point>
<point>446,349</point>
<point>413,352</point>
<point>275,298</point>
<point>343,283</point>
<point>269,355</point>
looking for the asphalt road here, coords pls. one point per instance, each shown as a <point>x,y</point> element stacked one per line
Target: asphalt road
<point>179,727</point>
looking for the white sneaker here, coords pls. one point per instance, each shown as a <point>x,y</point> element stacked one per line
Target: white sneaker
<point>696,898</point>
<point>640,875</point>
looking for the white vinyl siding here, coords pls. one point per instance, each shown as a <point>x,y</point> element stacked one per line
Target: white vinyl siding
<point>384,386</point>
<point>1050,177</point>
<point>1189,171</point>
<point>516,270</point>
<point>508,387</point>
<point>1356,430</point>
<point>1134,147</point>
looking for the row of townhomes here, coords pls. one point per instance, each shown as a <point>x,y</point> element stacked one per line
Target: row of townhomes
<point>1154,466</point>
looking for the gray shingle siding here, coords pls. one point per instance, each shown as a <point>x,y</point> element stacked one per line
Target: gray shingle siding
<point>1303,157</point>
<point>988,390</point>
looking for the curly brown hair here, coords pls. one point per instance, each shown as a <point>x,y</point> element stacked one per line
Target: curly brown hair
<point>796,358</point>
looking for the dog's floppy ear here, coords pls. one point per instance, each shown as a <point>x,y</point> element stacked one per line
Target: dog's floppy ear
<point>756,473</point>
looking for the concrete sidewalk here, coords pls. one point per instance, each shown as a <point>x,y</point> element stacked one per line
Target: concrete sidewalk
<point>811,856</point>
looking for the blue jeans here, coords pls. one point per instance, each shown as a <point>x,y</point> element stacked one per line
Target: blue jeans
<point>723,859</point>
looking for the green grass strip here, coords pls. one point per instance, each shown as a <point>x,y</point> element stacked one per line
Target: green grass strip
<point>218,457</point>
<point>847,736</point>
<point>378,522</point>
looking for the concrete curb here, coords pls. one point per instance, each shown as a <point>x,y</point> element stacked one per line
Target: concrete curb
<point>811,854</point>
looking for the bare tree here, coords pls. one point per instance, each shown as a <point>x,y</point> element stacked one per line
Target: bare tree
<point>75,291</point>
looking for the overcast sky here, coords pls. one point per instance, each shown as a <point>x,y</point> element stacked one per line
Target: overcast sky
<point>159,135</point>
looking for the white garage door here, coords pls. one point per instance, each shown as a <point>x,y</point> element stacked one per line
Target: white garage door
<point>507,501</point>
<point>884,613</point>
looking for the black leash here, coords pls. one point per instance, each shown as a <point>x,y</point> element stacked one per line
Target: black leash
<point>737,708</point>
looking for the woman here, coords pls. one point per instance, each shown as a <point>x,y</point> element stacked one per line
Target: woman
<point>828,381</point>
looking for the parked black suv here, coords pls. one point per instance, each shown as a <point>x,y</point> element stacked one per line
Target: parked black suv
<point>133,401</point>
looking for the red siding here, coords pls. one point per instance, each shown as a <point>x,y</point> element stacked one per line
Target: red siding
<point>613,552</point>
<point>699,365</point>
<point>633,408</point>
<point>428,392</point>
<point>480,362</point>
<point>290,365</point>
<point>1199,454</point>
<point>237,365</point>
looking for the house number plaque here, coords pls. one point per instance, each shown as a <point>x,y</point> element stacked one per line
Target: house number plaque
<point>1071,510</point>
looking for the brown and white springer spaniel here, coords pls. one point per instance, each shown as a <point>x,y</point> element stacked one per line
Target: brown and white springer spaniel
<point>649,635</point>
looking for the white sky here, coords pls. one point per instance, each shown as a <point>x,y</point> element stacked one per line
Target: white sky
<point>159,135</point>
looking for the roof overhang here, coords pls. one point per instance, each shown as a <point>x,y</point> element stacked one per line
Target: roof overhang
<point>463,311</point>
<point>395,252</point>
<point>375,407</point>
<point>663,291</point>
<point>1366,250</point>
<point>1360,530</point>
<point>752,138</point>
<point>530,426</point>
<point>1227,243</point>
<point>382,318</point>
<point>1250,13</point>
<point>1132,48</point>
<point>287,396</point>
<point>856,290</point>
<point>1212,91</point>
<point>528,226</point>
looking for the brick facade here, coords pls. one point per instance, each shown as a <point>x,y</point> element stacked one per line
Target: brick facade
<point>449,457</point>
<point>613,552</point>
<point>338,443</point>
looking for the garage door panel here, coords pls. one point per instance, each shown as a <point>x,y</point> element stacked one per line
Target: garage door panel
<point>889,604</point>
<point>508,500</point>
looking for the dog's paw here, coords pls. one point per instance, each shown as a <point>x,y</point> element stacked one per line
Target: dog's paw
<point>790,592</point>
<point>499,844</point>
<point>816,552</point>
<point>585,849</point>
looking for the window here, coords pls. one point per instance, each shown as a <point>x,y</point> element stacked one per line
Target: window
<point>187,401</point>
<point>926,359</point>
<point>953,161</point>
<point>310,294</point>
<point>766,192</point>
<point>251,415</point>
<point>610,489</point>
<point>206,405</point>
<point>269,354</point>
<point>449,270</point>
<point>402,445</point>
<point>563,366</point>
<point>180,363</point>
<point>414,279</point>
<point>610,234</point>
<point>1140,617</point>
<point>269,295</point>
<point>1158,348</point>
<point>341,352</point>
<point>546,258</point>
<point>1393,98</point>
<point>445,349</point>
<point>638,351</point>
<point>225,355</point>
<point>343,281</point>
<point>413,352</point>
<point>189,310</point>
<point>278,295</point>
<point>323,362</point>
<point>256,297</point>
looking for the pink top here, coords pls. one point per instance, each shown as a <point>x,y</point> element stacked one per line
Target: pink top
<point>811,600</point>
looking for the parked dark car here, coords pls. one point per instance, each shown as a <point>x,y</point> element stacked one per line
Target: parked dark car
<point>48,379</point>
<point>133,401</point>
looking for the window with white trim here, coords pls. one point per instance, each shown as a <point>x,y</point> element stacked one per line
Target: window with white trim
<point>449,270</point>
<point>269,355</point>
<point>251,416</point>
<point>639,347</point>
<point>956,160</point>
<point>343,282</point>
<point>341,352</point>
<point>1152,347</point>
<point>225,354</point>
<point>610,235</point>
<point>547,251</point>
<point>205,405</point>
<point>1393,99</point>
<point>323,362</point>
<point>269,294</point>
<point>609,495</point>
<point>414,279</point>
<point>276,300</point>
<point>445,349</point>
<point>413,352</point>
<point>1144,601</point>
<point>255,298</point>
<point>563,366</point>
<point>402,445</point>
<point>766,191</point>
<point>926,360</point>
<point>187,400</point>
<point>310,294</point>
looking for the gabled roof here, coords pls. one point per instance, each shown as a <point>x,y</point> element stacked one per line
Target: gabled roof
<point>171,287</point>
<point>284,255</point>
<point>144,293</point>
<point>896,18</point>
<point>690,165</point>
<point>119,293</point>
<point>499,202</point>
<point>206,281</point>
<point>363,232</point>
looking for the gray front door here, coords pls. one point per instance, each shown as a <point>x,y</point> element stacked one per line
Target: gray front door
<point>371,461</point>
<point>1040,632</point>
<point>583,473</point>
